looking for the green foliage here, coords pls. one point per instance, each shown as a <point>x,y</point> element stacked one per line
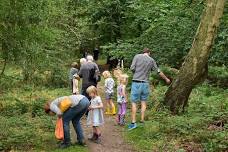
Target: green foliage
<point>167,27</point>
<point>197,129</point>
<point>39,36</point>
<point>219,54</point>
<point>218,72</point>
<point>39,39</point>
<point>35,35</point>
<point>25,125</point>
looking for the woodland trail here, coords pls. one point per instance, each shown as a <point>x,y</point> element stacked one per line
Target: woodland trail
<point>112,139</point>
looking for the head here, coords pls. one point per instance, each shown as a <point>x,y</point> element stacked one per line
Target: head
<point>89,58</point>
<point>117,73</point>
<point>82,61</point>
<point>146,51</point>
<point>92,91</point>
<point>123,79</point>
<point>74,65</point>
<point>106,74</point>
<point>47,109</point>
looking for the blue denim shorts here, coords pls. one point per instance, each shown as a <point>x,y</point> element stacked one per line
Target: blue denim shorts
<point>140,91</point>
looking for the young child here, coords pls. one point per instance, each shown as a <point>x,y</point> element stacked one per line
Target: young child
<point>109,92</point>
<point>72,72</point>
<point>122,99</point>
<point>95,115</point>
<point>75,87</point>
<point>117,72</point>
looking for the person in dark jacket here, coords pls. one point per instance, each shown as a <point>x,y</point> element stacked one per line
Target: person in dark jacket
<point>90,74</point>
<point>96,54</point>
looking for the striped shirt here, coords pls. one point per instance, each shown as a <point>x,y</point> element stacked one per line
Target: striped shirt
<point>109,85</point>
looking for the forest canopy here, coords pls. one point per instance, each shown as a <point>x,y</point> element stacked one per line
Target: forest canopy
<point>36,34</point>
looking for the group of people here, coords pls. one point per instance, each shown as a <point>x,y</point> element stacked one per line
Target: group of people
<point>87,100</point>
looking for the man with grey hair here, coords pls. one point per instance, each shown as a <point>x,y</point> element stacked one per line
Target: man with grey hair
<point>90,74</point>
<point>89,58</point>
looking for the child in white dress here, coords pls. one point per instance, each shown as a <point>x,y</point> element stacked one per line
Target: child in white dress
<point>95,115</point>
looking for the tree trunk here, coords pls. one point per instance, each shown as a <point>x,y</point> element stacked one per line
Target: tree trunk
<point>194,69</point>
<point>3,69</point>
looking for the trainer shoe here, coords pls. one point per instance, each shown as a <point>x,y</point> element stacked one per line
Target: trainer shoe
<point>132,126</point>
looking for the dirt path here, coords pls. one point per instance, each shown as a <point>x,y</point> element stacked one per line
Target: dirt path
<point>112,136</point>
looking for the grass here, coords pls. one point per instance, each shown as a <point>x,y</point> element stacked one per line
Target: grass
<point>25,127</point>
<point>189,131</point>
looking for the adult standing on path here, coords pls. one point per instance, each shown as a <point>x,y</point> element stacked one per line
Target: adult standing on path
<point>70,108</point>
<point>90,74</point>
<point>141,66</point>
<point>96,53</point>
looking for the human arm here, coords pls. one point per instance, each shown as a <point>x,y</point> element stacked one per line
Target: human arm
<point>124,93</point>
<point>160,73</point>
<point>106,83</point>
<point>133,64</point>
<point>80,71</point>
<point>164,77</point>
<point>98,106</point>
<point>96,68</point>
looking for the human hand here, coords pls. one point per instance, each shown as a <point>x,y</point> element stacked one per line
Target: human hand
<point>167,81</point>
<point>90,108</point>
<point>76,92</point>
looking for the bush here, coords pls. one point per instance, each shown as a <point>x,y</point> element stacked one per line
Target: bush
<point>164,132</point>
<point>21,132</point>
<point>58,77</point>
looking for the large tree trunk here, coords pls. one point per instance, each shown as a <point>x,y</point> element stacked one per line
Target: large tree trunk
<point>194,69</point>
<point>3,69</point>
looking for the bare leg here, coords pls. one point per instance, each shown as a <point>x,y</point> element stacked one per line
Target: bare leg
<point>111,103</point>
<point>94,130</point>
<point>143,109</point>
<point>98,131</point>
<point>98,135</point>
<point>107,107</point>
<point>133,112</point>
<point>113,108</point>
<point>108,104</point>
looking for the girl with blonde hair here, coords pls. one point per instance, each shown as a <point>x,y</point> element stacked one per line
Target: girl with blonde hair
<point>122,98</point>
<point>109,92</point>
<point>95,115</point>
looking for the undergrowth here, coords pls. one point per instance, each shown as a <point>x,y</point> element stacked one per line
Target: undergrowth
<point>203,127</point>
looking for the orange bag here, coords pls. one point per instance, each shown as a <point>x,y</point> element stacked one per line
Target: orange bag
<point>59,133</point>
<point>65,104</point>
